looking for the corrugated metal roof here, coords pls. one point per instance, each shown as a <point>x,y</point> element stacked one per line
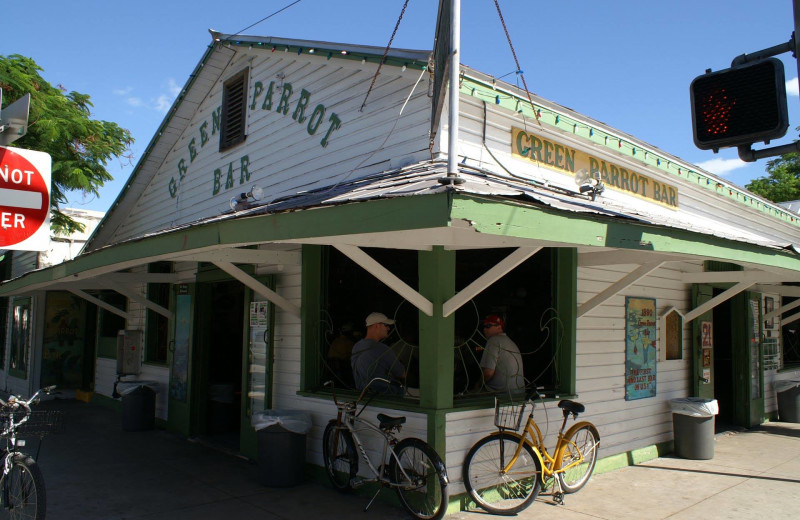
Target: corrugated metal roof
<point>424,179</point>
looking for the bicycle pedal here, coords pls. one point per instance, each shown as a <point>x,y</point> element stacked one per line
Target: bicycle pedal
<point>356,482</point>
<point>558,498</point>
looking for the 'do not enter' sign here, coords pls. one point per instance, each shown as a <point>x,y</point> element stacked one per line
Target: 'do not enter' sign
<point>24,199</point>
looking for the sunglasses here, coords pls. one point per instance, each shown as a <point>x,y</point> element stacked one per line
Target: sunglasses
<point>490,325</point>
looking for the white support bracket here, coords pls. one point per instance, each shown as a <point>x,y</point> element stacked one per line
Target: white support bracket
<point>387,277</point>
<point>132,294</point>
<point>781,310</point>
<point>620,285</point>
<point>502,268</point>
<point>259,288</point>
<point>716,300</point>
<point>100,303</point>
<point>790,319</point>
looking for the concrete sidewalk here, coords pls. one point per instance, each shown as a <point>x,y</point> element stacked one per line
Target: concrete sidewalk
<point>97,471</point>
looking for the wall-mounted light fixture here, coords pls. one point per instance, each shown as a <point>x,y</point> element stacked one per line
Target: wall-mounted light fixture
<point>242,200</point>
<point>588,184</point>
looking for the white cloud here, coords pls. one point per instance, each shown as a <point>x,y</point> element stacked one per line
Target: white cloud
<point>175,89</point>
<point>135,102</point>
<point>792,87</point>
<point>722,166</point>
<point>163,103</point>
<point>122,91</point>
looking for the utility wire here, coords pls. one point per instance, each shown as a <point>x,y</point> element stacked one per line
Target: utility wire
<point>240,31</point>
<point>513,53</point>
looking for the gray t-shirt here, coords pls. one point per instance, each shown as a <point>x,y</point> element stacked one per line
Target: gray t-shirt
<point>502,355</point>
<point>371,359</point>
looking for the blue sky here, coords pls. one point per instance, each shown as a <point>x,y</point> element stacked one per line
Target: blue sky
<point>627,63</point>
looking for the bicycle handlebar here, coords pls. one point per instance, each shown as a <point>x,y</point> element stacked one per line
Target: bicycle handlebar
<point>15,402</point>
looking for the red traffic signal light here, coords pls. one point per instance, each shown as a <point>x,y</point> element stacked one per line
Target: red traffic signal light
<point>739,106</point>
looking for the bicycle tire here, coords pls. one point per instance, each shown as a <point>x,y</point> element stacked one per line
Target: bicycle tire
<point>23,492</point>
<point>426,497</point>
<point>497,492</point>
<point>339,454</point>
<point>580,443</point>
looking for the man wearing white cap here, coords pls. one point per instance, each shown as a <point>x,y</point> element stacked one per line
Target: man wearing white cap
<point>371,358</point>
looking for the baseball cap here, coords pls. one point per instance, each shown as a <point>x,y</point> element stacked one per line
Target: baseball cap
<point>378,317</point>
<point>494,319</point>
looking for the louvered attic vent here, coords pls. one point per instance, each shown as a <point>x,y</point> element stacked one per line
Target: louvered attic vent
<point>234,111</point>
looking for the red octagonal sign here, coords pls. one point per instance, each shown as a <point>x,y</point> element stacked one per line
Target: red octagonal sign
<point>24,199</point>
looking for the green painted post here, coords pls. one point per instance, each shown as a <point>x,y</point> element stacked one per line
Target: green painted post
<point>311,289</point>
<point>437,279</point>
<point>566,291</point>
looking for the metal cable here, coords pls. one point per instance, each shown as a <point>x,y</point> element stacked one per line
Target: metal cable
<point>516,61</point>
<point>385,52</point>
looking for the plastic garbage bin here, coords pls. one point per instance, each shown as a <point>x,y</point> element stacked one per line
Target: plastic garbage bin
<point>138,404</point>
<point>281,446</point>
<point>788,393</point>
<point>693,426</point>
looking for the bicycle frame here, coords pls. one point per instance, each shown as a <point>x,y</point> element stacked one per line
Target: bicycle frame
<point>532,436</point>
<point>349,422</point>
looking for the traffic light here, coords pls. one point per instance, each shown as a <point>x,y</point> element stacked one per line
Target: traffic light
<point>739,106</point>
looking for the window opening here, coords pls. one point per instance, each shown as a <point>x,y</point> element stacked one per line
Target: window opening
<point>524,298</point>
<point>157,324</point>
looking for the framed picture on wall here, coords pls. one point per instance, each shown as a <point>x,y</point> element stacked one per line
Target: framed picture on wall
<point>769,306</point>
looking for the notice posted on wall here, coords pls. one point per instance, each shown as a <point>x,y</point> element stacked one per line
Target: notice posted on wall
<point>640,348</point>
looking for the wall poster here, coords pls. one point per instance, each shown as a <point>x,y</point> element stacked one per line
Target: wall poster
<point>640,348</point>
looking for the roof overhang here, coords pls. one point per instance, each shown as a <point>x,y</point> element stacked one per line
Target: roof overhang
<point>448,219</point>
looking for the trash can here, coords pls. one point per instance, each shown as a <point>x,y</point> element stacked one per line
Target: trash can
<point>221,408</point>
<point>281,446</point>
<point>693,426</point>
<point>788,393</point>
<point>138,404</point>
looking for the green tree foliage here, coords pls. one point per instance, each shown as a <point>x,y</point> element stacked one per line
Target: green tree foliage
<point>783,181</point>
<point>60,124</point>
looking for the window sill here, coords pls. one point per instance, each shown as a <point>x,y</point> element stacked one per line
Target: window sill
<point>460,404</point>
<point>790,368</point>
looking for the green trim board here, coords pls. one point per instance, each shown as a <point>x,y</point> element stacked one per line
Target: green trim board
<point>518,220</point>
<point>490,216</point>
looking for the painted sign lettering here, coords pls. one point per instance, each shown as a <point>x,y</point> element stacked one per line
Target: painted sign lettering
<point>561,158</point>
<point>278,98</point>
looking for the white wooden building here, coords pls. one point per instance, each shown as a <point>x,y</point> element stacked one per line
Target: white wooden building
<point>356,215</point>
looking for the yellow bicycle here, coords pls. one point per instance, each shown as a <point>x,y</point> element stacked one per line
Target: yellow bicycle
<point>504,471</point>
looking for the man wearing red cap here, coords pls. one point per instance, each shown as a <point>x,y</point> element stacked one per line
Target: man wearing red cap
<point>501,362</point>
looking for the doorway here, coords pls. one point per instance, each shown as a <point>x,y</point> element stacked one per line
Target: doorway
<point>219,382</point>
<point>723,362</point>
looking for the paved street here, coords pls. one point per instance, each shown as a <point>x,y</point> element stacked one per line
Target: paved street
<point>96,471</point>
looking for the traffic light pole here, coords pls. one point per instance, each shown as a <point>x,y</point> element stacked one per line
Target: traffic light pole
<point>746,153</point>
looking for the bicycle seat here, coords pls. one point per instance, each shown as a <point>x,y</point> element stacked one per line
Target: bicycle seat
<point>571,406</point>
<point>390,422</point>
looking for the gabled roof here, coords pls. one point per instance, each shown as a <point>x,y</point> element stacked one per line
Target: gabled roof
<point>207,72</point>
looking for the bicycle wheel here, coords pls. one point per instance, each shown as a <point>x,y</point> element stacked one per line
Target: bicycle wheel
<point>23,494</point>
<point>580,450</point>
<point>339,454</point>
<point>496,491</point>
<point>420,479</point>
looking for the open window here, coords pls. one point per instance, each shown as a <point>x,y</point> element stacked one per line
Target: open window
<point>527,298</point>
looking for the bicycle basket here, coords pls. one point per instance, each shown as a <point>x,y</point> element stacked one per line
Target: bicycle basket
<point>39,424</point>
<point>508,414</point>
